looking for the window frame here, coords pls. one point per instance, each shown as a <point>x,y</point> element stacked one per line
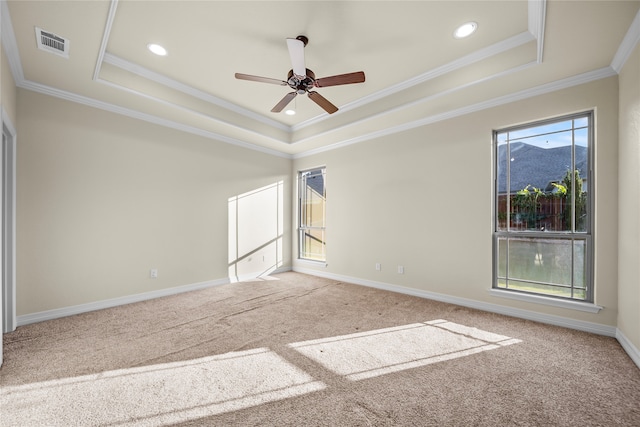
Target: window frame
<point>303,228</point>
<point>570,235</point>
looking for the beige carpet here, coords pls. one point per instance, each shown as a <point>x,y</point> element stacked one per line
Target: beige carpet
<point>301,350</point>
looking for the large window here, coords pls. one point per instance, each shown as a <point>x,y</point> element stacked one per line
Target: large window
<point>311,208</point>
<point>543,208</point>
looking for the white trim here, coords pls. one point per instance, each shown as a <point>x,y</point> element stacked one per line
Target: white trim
<point>257,276</point>
<point>8,39</point>
<point>188,90</point>
<point>544,300</point>
<point>189,110</point>
<point>495,102</point>
<point>535,20</point>
<point>628,347</point>
<point>628,44</point>
<point>57,313</point>
<point>580,325</point>
<point>10,44</point>
<point>312,263</point>
<point>9,321</point>
<point>105,38</point>
<point>415,103</point>
<point>68,96</point>
<point>459,63</point>
<point>537,11</point>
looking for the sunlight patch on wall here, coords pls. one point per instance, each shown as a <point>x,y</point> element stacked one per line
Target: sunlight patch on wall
<point>161,394</point>
<point>383,351</point>
<point>256,227</point>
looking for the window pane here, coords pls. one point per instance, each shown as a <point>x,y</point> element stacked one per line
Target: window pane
<point>313,244</point>
<point>581,184</point>
<point>540,260</point>
<point>579,265</point>
<point>501,183</point>
<point>539,130</point>
<point>543,266</point>
<point>542,208</point>
<point>546,289</point>
<point>502,257</point>
<point>313,198</point>
<point>581,122</point>
<point>312,191</point>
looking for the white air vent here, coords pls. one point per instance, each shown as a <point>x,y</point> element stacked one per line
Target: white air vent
<point>53,43</point>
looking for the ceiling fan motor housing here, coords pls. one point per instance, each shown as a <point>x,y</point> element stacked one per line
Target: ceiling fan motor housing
<point>301,85</point>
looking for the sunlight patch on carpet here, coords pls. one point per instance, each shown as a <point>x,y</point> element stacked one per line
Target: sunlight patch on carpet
<point>160,394</point>
<point>370,354</point>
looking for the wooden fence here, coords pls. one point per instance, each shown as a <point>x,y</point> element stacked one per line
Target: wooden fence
<point>549,214</point>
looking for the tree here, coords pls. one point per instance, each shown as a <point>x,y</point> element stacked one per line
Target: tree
<point>580,201</point>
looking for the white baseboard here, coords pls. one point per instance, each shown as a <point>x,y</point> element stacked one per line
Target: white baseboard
<point>98,305</point>
<point>256,275</point>
<point>580,325</point>
<point>628,346</point>
<point>114,302</point>
<point>596,328</point>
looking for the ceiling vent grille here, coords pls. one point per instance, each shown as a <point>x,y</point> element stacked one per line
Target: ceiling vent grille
<point>51,42</point>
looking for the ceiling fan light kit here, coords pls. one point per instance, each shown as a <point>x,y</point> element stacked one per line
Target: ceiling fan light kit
<point>302,80</point>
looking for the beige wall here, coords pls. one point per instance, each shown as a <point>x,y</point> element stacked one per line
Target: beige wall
<point>103,198</point>
<point>423,199</point>
<point>629,207</point>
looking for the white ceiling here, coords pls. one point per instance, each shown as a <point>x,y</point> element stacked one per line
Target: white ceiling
<point>416,71</point>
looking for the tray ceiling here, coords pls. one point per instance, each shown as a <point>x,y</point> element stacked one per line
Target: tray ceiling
<point>416,71</point>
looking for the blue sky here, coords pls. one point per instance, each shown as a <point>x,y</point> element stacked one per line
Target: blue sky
<point>550,135</point>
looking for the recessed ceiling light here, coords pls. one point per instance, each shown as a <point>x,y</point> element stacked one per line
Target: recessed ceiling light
<point>465,30</point>
<point>157,49</point>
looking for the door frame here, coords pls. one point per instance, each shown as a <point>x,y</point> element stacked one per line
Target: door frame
<point>8,223</point>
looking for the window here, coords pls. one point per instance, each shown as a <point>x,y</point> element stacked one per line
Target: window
<point>311,208</point>
<point>543,208</point>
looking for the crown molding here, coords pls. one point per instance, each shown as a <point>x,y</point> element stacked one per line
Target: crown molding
<point>10,44</point>
<point>537,11</point>
<point>189,110</point>
<point>495,102</point>
<point>105,38</point>
<point>629,43</point>
<point>535,24</point>
<point>191,91</point>
<point>421,100</point>
<point>535,21</point>
<point>69,96</point>
<point>465,61</point>
<point>517,96</point>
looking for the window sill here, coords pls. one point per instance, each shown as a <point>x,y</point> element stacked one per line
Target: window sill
<point>540,299</point>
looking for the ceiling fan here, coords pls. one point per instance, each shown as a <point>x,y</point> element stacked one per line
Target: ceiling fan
<point>302,80</point>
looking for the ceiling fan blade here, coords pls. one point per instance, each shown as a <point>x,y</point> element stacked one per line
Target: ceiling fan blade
<point>283,102</point>
<point>296,52</point>
<point>260,79</point>
<point>323,102</point>
<point>341,79</point>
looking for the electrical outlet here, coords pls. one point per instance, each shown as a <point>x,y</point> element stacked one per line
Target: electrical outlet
<point>378,266</point>
<point>153,273</point>
<point>400,269</point>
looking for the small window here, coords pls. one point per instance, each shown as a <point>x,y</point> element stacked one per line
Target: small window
<point>543,208</point>
<point>311,208</point>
